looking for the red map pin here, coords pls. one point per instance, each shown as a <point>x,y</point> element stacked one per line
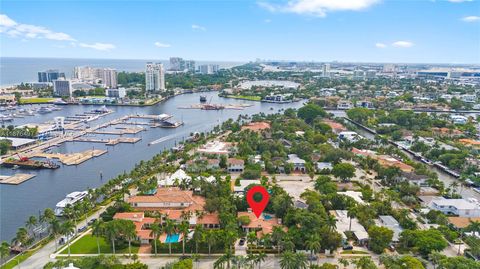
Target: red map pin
<point>257,207</point>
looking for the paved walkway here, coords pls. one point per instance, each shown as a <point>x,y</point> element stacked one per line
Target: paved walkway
<point>44,255</point>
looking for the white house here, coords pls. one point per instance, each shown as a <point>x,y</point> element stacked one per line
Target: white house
<point>459,207</point>
<point>298,164</point>
<point>235,165</point>
<point>349,136</point>
<point>457,119</point>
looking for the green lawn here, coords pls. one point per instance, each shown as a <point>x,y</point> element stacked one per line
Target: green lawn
<point>246,97</point>
<point>35,100</point>
<point>88,245</point>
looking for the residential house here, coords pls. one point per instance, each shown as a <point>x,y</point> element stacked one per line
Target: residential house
<point>298,164</point>
<point>346,224</point>
<point>392,224</point>
<point>235,165</point>
<point>142,224</point>
<point>256,126</point>
<point>262,225</point>
<point>458,207</point>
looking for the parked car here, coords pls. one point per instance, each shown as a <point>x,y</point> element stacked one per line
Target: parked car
<point>241,242</point>
<point>81,229</point>
<point>347,247</point>
<point>90,222</point>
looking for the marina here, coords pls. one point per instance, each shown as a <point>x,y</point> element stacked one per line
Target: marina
<point>73,158</point>
<point>123,151</point>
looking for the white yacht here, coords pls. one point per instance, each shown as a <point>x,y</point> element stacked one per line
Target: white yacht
<point>70,199</point>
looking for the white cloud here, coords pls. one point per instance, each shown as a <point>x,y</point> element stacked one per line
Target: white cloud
<point>471,18</point>
<point>380,45</point>
<point>267,20</point>
<point>162,45</point>
<point>403,44</point>
<point>5,21</point>
<point>14,29</point>
<point>318,8</point>
<point>197,27</point>
<point>459,1</point>
<point>98,46</point>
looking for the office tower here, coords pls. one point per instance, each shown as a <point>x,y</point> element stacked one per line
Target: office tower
<point>154,77</point>
<point>109,78</point>
<point>50,75</point>
<point>62,87</point>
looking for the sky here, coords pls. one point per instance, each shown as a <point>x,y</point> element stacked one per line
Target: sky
<point>401,31</point>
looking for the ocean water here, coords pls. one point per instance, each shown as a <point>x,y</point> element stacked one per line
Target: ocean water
<point>15,70</point>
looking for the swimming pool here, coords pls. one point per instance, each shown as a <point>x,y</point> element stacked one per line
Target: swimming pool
<point>267,216</point>
<point>173,238</point>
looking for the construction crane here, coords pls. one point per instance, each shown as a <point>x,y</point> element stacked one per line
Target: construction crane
<point>22,158</point>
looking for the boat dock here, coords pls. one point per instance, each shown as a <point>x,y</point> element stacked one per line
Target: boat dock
<point>16,179</point>
<point>73,158</point>
<point>109,142</point>
<point>122,131</point>
<point>216,107</point>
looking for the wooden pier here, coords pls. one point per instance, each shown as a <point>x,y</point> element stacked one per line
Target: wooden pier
<point>73,158</point>
<point>109,142</point>
<point>16,179</point>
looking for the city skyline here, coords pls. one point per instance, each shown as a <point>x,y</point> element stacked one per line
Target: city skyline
<point>300,30</point>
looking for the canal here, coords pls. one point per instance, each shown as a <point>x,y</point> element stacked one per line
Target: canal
<point>18,202</point>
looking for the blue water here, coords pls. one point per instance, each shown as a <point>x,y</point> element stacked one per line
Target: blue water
<point>14,70</point>
<point>267,216</point>
<point>173,238</point>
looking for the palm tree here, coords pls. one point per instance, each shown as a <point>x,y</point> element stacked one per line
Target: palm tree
<point>343,262</point>
<point>225,259</point>
<point>111,231</point>
<point>169,230</point>
<point>331,222</point>
<point>435,257</point>
<point>55,230</point>
<point>128,230</point>
<point>351,213</point>
<point>287,260</point>
<point>31,223</point>
<point>313,244</point>
<point>4,251</point>
<point>21,237</point>
<point>198,236</point>
<point>98,228</point>
<point>278,235</point>
<point>301,261</point>
<point>68,228</point>
<point>260,258</point>
<point>211,238</point>
<point>183,229</point>
<point>474,227</point>
<point>156,231</point>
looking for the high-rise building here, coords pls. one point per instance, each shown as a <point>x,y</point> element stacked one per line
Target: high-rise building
<point>154,77</point>
<point>109,78</point>
<point>208,68</point>
<point>62,87</point>
<point>326,70</point>
<point>389,68</point>
<point>50,75</point>
<point>176,64</point>
<point>84,73</point>
<point>189,66</point>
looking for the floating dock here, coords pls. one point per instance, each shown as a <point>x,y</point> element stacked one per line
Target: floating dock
<point>73,158</point>
<point>216,107</point>
<point>16,179</point>
<point>109,142</point>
